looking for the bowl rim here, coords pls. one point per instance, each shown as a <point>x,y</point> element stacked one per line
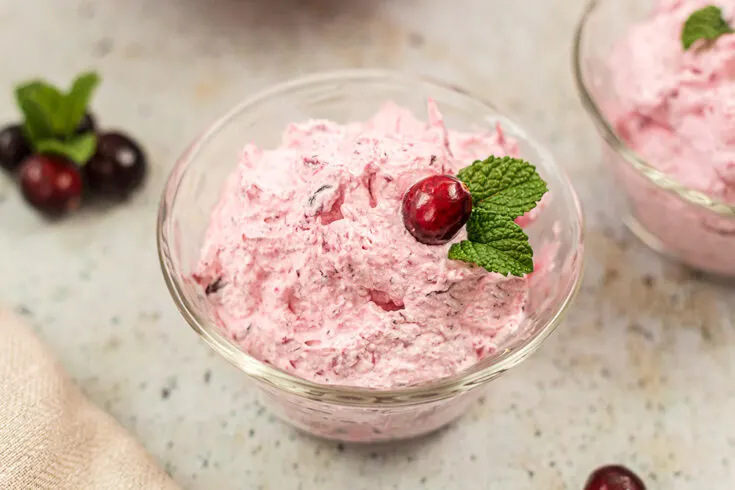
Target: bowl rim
<point>635,160</point>
<point>340,394</point>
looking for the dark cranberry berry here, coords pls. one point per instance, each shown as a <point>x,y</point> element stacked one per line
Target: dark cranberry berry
<point>14,147</point>
<point>614,477</point>
<point>51,184</point>
<point>117,168</point>
<point>435,208</point>
<point>87,124</point>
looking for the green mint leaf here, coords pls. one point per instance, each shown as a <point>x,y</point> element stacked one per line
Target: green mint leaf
<point>707,23</point>
<point>36,123</point>
<point>508,256</point>
<point>77,101</point>
<point>78,149</point>
<point>496,243</point>
<point>50,108</point>
<point>502,188</point>
<point>503,185</point>
<point>48,100</point>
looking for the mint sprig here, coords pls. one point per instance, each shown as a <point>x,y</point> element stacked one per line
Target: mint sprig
<point>707,23</point>
<point>508,186</point>
<point>78,149</point>
<point>51,117</point>
<point>76,102</point>
<point>502,188</point>
<point>496,243</point>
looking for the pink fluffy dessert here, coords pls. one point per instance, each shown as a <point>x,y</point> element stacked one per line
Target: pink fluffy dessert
<point>676,109</point>
<point>308,266</point>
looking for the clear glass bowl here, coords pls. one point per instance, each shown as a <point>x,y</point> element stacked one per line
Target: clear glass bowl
<point>342,412</point>
<point>680,222</point>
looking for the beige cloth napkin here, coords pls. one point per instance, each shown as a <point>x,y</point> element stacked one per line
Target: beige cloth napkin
<point>51,437</point>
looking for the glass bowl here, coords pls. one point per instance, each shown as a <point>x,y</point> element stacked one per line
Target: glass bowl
<point>343,412</point>
<point>677,221</point>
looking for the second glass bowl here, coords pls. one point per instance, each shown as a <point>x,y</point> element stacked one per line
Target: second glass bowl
<point>340,412</point>
<point>680,222</point>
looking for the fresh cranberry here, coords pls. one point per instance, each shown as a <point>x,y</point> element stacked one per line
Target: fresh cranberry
<point>436,208</point>
<point>51,184</point>
<point>117,168</point>
<point>14,147</point>
<point>614,477</point>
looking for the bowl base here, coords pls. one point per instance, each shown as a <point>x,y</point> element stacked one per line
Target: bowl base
<point>652,242</point>
<point>377,439</point>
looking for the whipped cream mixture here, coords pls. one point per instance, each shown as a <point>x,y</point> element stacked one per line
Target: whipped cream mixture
<point>309,267</point>
<point>677,107</point>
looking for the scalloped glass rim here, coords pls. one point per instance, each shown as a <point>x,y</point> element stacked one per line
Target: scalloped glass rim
<point>444,388</point>
<point>636,161</point>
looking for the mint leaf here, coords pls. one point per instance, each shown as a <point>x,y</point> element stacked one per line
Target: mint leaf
<point>46,94</point>
<point>502,188</point>
<point>77,100</point>
<point>49,102</point>
<point>507,186</point>
<point>497,244</point>
<point>707,23</point>
<point>49,113</point>
<point>36,123</point>
<point>78,149</point>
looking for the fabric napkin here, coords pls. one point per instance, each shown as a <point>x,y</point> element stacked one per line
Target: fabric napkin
<point>51,437</point>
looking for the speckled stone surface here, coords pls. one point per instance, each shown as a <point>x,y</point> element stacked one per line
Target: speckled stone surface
<point>640,373</point>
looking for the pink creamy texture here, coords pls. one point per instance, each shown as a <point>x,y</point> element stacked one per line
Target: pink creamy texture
<point>676,108</point>
<point>310,268</point>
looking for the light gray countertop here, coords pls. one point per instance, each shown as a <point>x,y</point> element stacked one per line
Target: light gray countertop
<point>640,373</point>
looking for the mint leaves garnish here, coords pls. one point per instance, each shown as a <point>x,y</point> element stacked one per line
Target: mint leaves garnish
<point>507,186</point>
<point>51,117</point>
<point>502,190</point>
<point>707,23</point>
<point>78,99</point>
<point>78,149</point>
<point>496,243</point>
